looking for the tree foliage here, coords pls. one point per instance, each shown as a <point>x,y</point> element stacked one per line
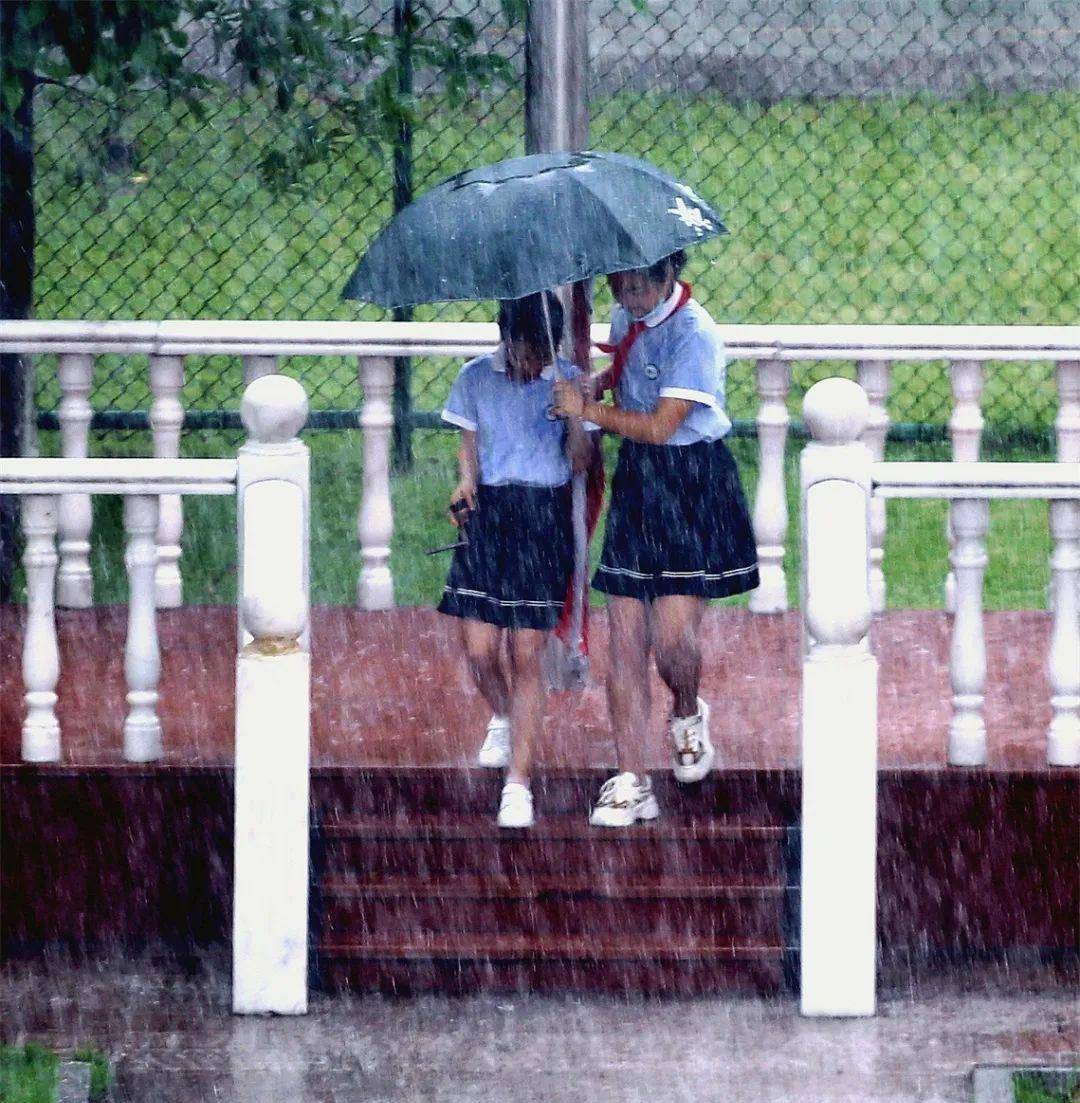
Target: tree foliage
<point>331,75</point>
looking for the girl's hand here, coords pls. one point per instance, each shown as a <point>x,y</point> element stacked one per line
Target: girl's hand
<point>569,401</point>
<point>464,491</point>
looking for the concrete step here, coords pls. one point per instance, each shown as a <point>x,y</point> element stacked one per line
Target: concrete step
<point>470,791</point>
<point>656,964</point>
<point>681,908</point>
<point>439,847</point>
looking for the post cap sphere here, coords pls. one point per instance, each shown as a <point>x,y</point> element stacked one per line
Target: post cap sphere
<point>836,411</point>
<point>283,616</point>
<point>274,409</point>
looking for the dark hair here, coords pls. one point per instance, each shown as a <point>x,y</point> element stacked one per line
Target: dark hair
<point>523,319</point>
<point>672,264</point>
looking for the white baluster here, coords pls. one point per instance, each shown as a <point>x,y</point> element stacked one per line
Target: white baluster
<point>166,421</point>
<point>1067,422</point>
<point>255,367</point>
<point>770,501</point>
<point>967,656</point>
<point>839,709</point>
<point>1066,426</point>
<point>142,659</point>
<point>1063,667</point>
<point>874,378</point>
<point>376,521</point>
<point>965,431</point>
<point>41,656</point>
<point>74,585</point>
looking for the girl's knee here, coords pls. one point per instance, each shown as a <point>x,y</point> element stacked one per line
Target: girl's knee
<point>627,616</point>
<point>482,654</point>
<point>526,649</point>
<point>481,643</point>
<point>675,625</point>
<point>677,650</point>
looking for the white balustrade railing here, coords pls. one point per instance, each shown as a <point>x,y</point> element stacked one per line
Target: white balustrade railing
<point>142,657</point>
<point>965,432</point>
<point>875,377</point>
<point>166,421</point>
<point>375,525</point>
<point>74,588</point>
<point>840,483</point>
<point>261,347</point>
<point>770,500</point>
<point>970,487</point>
<point>41,656</point>
<point>270,478</point>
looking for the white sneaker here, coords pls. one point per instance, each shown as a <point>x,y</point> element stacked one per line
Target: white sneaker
<point>516,806</point>
<point>495,751</point>
<point>624,799</point>
<point>693,752</point>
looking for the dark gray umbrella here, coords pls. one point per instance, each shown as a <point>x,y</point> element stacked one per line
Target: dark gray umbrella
<point>527,224</point>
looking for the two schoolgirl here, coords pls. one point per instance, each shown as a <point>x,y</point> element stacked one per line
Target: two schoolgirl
<point>678,534</point>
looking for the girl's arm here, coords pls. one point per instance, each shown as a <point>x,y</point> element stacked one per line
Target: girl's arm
<point>467,470</point>
<point>656,427</point>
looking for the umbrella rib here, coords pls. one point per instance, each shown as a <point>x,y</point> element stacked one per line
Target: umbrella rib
<point>614,216</point>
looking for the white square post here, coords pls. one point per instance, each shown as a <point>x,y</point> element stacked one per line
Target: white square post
<point>839,710</point>
<point>273,693</point>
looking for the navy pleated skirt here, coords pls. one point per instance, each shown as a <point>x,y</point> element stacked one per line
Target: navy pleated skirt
<point>519,560</point>
<point>677,524</point>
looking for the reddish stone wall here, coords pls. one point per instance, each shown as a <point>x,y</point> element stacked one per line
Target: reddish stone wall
<point>136,856</point>
<point>969,861</point>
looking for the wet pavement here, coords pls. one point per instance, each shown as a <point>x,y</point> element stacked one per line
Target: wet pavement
<point>171,1038</point>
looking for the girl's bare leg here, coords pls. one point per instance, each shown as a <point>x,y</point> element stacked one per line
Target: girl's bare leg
<point>675,623</point>
<point>526,700</point>
<point>629,702</point>
<point>482,646</point>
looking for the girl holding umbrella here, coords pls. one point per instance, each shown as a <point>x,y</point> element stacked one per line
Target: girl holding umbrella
<point>678,530</point>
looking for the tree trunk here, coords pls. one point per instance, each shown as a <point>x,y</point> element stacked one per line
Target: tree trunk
<point>17,235</point>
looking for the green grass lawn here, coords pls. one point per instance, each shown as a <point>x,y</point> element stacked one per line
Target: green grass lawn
<point>915,553</point>
<point>896,209</point>
<point>1052,1088</point>
<point>28,1073</point>
<point>904,210</point>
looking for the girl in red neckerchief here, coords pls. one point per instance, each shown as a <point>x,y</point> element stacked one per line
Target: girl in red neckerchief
<point>678,530</point>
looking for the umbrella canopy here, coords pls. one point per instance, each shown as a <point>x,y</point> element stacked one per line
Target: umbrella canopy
<point>530,223</point>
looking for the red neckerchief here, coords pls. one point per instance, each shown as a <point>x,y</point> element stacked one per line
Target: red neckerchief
<point>620,353</point>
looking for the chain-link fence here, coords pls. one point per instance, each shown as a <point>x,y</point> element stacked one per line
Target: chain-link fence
<point>905,161</point>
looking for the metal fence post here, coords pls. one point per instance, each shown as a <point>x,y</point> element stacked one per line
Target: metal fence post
<point>403,196</point>
<point>556,62</point>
